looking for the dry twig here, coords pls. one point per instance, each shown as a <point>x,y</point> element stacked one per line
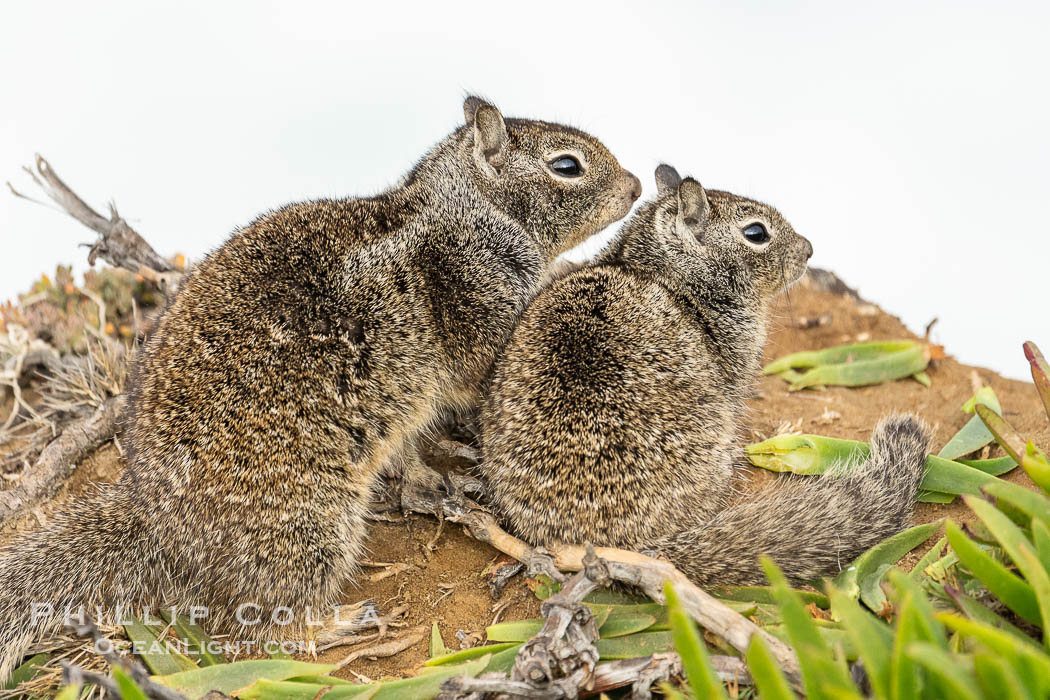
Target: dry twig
<point>389,570</point>
<point>61,457</point>
<point>394,646</point>
<point>117,243</point>
<point>346,634</point>
<point>73,675</point>
<point>20,353</point>
<point>458,450</point>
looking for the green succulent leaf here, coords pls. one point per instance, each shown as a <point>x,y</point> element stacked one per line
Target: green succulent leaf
<point>227,678</point>
<point>68,692</point>
<point>769,679</point>
<point>1037,467</point>
<point>129,689</point>
<point>199,644</point>
<point>696,662</point>
<point>947,669</point>
<point>996,466</point>
<point>975,610</point>
<point>862,579</point>
<point>974,435</point>
<point>1020,550</point>
<point>889,367</point>
<point>1040,373</point>
<point>1032,504</point>
<point>437,644</point>
<point>918,571</point>
<point>455,657</point>
<point>26,672</point>
<point>998,678</point>
<point>872,639</point>
<point>1031,660</point>
<point>840,354</point>
<point>906,589</point>
<point>1011,589</point>
<point>820,671</point>
<point>1003,432</point>
<point>810,455</point>
<point>764,595</point>
<point>155,654</point>
<point>635,645</point>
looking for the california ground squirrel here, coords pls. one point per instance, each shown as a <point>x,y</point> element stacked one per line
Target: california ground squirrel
<point>298,360</point>
<point>614,412</point>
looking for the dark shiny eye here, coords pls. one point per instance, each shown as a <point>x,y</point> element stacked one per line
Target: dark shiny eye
<point>566,166</point>
<point>756,233</point>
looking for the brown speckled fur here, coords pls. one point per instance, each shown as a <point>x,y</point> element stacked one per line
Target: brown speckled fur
<point>299,359</point>
<point>613,414</point>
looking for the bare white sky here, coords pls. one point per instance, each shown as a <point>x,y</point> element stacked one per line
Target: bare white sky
<point>910,141</point>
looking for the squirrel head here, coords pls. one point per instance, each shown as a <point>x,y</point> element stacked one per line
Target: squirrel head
<point>558,182</point>
<point>719,240</point>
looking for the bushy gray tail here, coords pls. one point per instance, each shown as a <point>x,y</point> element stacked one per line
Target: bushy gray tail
<point>810,526</point>
<point>80,557</point>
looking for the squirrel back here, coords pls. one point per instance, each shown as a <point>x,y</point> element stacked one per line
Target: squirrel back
<point>614,411</point>
<point>297,361</point>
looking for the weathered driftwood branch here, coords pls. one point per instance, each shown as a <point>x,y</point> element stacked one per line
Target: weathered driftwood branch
<point>73,675</point>
<point>641,674</point>
<point>118,243</point>
<point>628,567</point>
<point>561,661</point>
<point>731,669</point>
<point>61,457</point>
<point>562,656</point>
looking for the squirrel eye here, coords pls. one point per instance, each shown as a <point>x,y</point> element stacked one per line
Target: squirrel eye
<point>756,233</point>
<point>566,166</point>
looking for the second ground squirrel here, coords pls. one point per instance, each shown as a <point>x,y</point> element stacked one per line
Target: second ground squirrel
<point>297,361</point>
<point>613,414</point>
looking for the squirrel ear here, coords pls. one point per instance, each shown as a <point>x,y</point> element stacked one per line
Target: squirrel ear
<point>693,206</point>
<point>470,107</point>
<point>490,136</point>
<point>667,179</point>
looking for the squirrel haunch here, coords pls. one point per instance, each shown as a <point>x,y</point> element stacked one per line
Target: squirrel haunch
<point>299,359</point>
<point>613,414</point>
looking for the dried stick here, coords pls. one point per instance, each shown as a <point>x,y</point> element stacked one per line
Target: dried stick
<point>394,646</point>
<point>641,674</point>
<point>730,669</point>
<point>61,457</point>
<point>347,635</point>
<point>459,450</point>
<point>117,243</point>
<point>73,675</point>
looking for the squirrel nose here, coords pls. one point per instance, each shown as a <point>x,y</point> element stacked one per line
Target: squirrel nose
<point>636,186</point>
<point>809,248</point>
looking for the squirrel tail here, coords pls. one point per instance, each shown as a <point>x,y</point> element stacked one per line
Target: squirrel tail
<point>81,557</point>
<point>810,526</point>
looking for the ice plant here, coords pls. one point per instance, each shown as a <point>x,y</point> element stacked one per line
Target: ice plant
<point>974,434</point>
<point>805,454</point>
<point>1040,372</point>
<point>858,364</point>
<point>810,455</point>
